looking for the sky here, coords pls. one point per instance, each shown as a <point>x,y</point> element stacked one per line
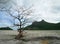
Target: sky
<point>48,10</point>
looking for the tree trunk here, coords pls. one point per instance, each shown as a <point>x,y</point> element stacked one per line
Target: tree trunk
<point>20,34</point>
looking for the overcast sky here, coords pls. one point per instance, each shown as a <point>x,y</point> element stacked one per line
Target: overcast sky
<point>49,10</point>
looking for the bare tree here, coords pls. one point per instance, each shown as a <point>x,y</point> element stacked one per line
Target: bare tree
<point>19,13</point>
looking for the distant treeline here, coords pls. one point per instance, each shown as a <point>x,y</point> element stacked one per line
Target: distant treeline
<point>5,28</point>
<point>43,26</point>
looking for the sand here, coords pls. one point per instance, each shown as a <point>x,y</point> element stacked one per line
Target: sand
<point>7,37</point>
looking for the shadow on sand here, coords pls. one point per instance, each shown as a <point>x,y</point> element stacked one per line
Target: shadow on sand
<point>41,38</point>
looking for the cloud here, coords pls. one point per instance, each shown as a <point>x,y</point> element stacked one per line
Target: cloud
<point>49,10</point>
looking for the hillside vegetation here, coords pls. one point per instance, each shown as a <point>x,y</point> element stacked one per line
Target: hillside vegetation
<point>5,28</point>
<point>42,25</point>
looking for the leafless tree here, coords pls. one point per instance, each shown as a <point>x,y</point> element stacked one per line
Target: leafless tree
<point>19,13</point>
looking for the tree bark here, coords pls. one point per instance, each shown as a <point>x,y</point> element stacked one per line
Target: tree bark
<point>20,34</point>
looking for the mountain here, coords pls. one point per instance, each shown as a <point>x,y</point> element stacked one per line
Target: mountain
<point>43,25</point>
<point>5,28</point>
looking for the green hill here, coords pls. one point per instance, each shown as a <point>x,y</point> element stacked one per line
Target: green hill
<point>42,25</point>
<point>5,28</point>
